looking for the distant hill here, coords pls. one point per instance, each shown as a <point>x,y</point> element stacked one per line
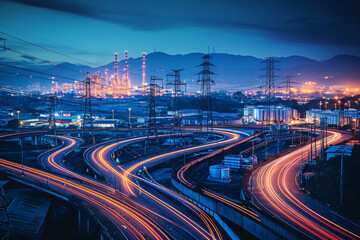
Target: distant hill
<point>232,71</point>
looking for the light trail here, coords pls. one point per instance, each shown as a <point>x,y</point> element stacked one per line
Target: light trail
<point>181,177</point>
<point>104,162</point>
<point>110,206</point>
<point>276,192</point>
<point>98,199</point>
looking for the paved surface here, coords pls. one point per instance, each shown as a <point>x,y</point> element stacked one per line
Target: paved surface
<point>276,192</point>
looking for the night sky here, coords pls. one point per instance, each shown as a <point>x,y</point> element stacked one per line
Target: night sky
<point>94,30</point>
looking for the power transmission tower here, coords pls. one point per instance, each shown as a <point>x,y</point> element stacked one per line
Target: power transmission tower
<point>87,123</point>
<point>288,84</point>
<point>178,86</point>
<point>6,231</point>
<point>270,83</point>
<point>156,84</point>
<point>205,81</point>
<point>52,121</point>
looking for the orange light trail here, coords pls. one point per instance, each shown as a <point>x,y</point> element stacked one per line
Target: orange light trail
<point>273,181</point>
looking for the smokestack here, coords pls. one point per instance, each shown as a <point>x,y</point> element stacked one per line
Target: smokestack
<point>144,72</point>
<point>116,75</point>
<point>127,82</point>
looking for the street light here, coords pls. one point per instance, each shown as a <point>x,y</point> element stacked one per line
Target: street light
<point>129,117</point>
<point>320,103</point>
<point>18,113</point>
<point>113,118</point>
<point>326,103</point>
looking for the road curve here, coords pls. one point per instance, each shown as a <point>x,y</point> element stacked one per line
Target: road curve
<point>100,158</point>
<point>132,223</point>
<point>275,190</point>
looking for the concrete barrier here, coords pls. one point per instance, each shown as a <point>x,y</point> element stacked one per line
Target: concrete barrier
<point>266,228</point>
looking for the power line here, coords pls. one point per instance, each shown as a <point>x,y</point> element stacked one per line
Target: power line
<point>45,61</point>
<point>48,49</point>
<point>24,75</point>
<point>29,70</point>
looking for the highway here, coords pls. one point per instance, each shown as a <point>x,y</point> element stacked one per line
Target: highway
<point>131,223</point>
<point>166,202</point>
<point>275,191</point>
<point>181,177</point>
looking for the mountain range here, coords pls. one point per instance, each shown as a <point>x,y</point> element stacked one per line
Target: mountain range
<point>232,72</point>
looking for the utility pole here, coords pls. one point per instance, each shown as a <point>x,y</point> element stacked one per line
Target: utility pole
<point>178,85</point>
<point>113,115</point>
<point>322,135</point>
<point>288,83</point>
<point>205,82</point>
<point>266,148</point>
<point>6,230</point>
<point>52,121</point>
<point>315,149</point>
<point>129,119</point>
<point>270,83</point>
<point>87,123</point>
<point>341,203</point>
<point>22,142</point>
<point>311,143</point>
<point>156,84</point>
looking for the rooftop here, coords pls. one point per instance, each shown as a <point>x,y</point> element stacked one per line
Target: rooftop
<point>340,149</point>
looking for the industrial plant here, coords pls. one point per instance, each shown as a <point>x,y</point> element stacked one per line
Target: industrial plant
<point>220,120</point>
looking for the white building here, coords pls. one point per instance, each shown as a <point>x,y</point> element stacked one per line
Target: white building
<point>337,117</point>
<point>233,161</point>
<point>278,114</point>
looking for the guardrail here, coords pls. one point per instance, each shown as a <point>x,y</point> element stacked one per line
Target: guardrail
<point>271,226</point>
<point>45,186</point>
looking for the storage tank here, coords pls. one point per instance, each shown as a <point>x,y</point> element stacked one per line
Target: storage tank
<point>225,173</point>
<point>215,171</point>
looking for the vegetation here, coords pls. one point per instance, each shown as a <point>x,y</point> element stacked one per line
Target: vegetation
<point>14,123</point>
<point>325,185</point>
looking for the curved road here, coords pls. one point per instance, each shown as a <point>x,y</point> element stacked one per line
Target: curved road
<point>276,191</point>
<point>153,195</point>
<point>131,223</point>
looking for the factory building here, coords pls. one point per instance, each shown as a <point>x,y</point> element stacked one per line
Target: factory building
<point>337,117</point>
<point>236,162</point>
<point>278,114</point>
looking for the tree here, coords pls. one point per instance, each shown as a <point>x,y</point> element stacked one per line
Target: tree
<point>14,123</point>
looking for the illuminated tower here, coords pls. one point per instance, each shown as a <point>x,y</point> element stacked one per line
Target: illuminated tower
<point>116,74</point>
<point>127,83</point>
<point>144,72</point>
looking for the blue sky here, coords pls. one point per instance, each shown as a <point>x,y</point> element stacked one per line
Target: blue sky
<point>94,30</point>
